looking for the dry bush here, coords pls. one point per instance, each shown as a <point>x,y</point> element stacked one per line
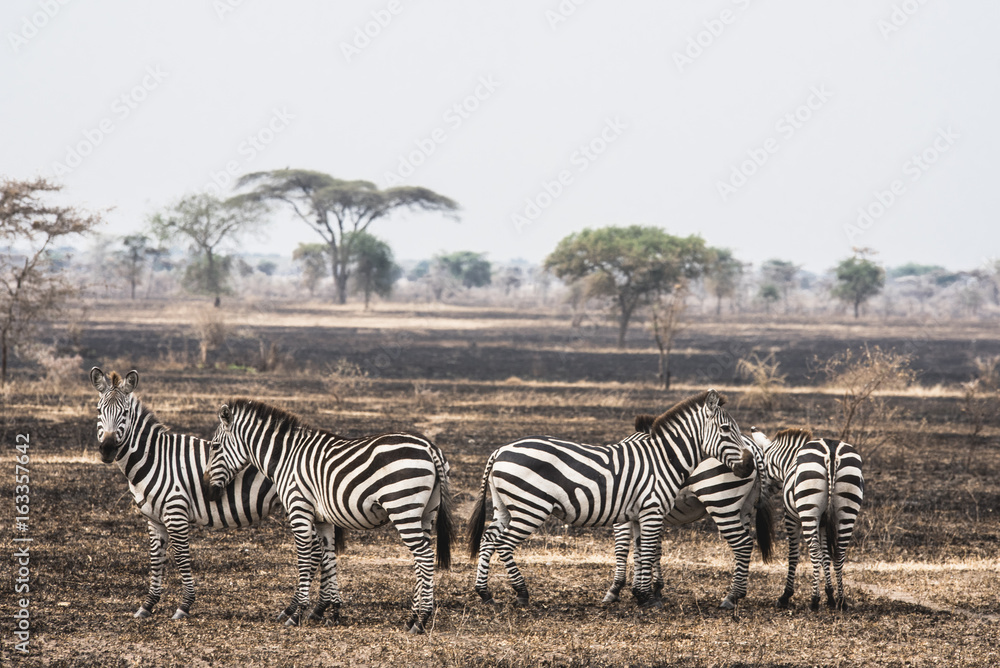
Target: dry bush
<point>764,380</point>
<point>271,357</point>
<point>425,397</point>
<point>344,377</point>
<point>861,379</point>
<point>211,331</point>
<point>981,400</point>
<point>878,528</point>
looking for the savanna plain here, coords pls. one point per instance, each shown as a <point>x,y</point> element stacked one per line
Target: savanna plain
<point>921,576</point>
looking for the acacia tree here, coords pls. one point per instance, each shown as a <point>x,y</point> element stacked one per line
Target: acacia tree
<point>781,274</point>
<point>858,280</point>
<point>132,258</point>
<point>722,275</point>
<point>374,269</point>
<point>30,289</point>
<point>208,223</point>
<point>470,269</point>
<point>335,208</point>
<point>629,265</point>
<point>314,263</point>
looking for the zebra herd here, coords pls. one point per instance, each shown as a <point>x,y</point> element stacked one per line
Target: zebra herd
<point>689,462</point>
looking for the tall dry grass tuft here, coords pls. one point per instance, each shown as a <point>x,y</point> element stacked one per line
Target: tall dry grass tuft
<point>765,381</point>
<point>344,377</point>
<point>867,416</point>
<point>211,330</point>
<point>980,401</point>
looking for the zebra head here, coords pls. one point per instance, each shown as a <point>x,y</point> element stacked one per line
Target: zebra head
<point>113,409</point>
<point>722,439</point>
<point>229,454</point>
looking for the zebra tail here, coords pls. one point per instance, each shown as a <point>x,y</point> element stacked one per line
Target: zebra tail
<point>339,539</point>
<point>764,522</point>
<point>830,516</point>
<point>477,521</point>
<point>444,524</point>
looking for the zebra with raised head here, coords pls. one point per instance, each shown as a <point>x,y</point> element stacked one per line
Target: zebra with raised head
<point>634,480</point>
<point>712,490</point>
<point>326,482</point>
<point>164,472</point>
<point>822,487</point>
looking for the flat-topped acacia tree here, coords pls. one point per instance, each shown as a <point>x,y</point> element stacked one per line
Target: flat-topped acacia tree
<point>336,208</point>
<point>629,265</point>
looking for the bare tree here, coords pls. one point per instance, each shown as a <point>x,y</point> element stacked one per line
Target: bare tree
<point>667,310</point>
<point>30,290</point>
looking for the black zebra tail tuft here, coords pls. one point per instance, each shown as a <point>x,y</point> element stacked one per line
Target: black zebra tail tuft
<point>339,539</point>
<point>445,527</point>
<point>764,522</point>
<point>477,521</point>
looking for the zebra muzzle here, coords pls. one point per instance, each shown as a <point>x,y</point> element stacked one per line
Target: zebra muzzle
<point>745,466</point>
<point>212,492</point>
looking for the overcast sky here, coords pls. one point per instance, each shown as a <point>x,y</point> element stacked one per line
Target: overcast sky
<point>793,130</point>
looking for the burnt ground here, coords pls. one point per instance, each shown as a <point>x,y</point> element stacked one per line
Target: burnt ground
<point>922,570</point>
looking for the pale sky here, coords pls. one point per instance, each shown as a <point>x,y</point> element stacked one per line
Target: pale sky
<point>762,126</point>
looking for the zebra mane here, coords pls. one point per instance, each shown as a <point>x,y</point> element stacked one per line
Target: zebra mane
<point>115,379</point>
<point>264,411</point>
<point>681,407</point>
<point>793,432</point>
<point>644,423</point>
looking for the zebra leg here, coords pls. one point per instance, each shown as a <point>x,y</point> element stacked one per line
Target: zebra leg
<point>158,539</point>
<point>794,531</point>
<point>487,546</point>
<point>657,570</point>
<point>811,533</point>
<point>324,556</point>
<point>423,592</point>
<point>303,531</point>
<point>825,550</point>
<point>623,536</point>
<point>179,530</point>
<point>650,530</point>
<point>741,543</point>
<point>506,541</point>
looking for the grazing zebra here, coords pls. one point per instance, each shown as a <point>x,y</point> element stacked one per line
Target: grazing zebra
<point>634,480</point>
<point>822,488</point>
<point>164,472</point>
<point>325,481</point>
<point>712,490</point>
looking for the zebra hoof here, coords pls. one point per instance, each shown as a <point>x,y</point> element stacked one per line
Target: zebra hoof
<point>292,621</point>
<point>728,604</point>
<point>180,614</point>
<point>521,601</point>
<point>611,597</point>
<point>313,617</point>
<point>842,605</point>
<point>814,604</point>
<point>282,616</point>
<point>142,613</point>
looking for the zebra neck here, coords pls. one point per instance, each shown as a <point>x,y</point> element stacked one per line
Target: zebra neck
<point>143,437</point>
<point>267,450</point>
<point>780,457</point>
<point>672,436</point>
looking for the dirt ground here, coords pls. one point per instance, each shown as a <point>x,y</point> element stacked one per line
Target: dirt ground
<point>922,572</point>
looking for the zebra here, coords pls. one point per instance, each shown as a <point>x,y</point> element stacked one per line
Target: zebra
<point>712,490</point>
<point>822,488</point>
<point>634,480</point>
<point>164,472</point>
<point>327,482</point>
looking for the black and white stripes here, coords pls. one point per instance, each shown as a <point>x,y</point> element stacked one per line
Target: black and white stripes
<point>326,482</point>
<point>164,471</point>
<point>635,480</point>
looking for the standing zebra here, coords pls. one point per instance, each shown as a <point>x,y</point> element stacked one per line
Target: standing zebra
<point>634,480</point>
<point>712,490</point>
<point>164,473</point>
<point>325,481</point>
<point>822,488</point>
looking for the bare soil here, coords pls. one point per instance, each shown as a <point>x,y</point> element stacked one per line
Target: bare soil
<point>922,572</point>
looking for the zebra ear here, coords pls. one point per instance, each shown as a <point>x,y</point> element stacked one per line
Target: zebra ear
<point>711,402</point>
<point>131,380</point>
<point>225,415</point>
<point>99,380</point>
